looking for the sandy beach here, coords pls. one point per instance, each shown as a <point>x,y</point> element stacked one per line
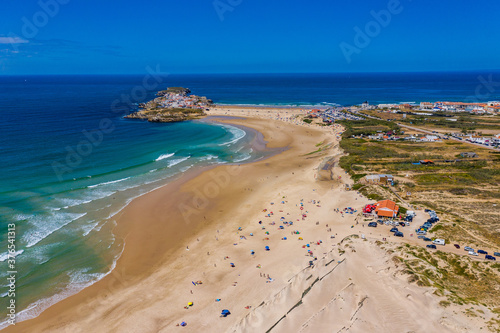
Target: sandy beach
<point>203,239</point>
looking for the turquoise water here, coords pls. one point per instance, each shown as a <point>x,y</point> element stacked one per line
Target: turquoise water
<point>62,186</point>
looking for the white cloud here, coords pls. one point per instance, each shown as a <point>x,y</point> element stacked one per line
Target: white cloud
<point>13,40</point>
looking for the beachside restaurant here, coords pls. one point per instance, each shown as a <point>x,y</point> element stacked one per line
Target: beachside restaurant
<point>386,208</point>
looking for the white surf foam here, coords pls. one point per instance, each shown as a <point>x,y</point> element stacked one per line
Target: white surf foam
<point>243,158</point>
<point>164,156</point>
<point>96,194</point>
<point>110,182</point>
<point>237,135</point>
<point>43,226</point>
<point>89,227</point>
<point>5,256</point>
<point>68,203</point>
<point>177,161</point>
<point>208,157</point>
<point>79,280</point>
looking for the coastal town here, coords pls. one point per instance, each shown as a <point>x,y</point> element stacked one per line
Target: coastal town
<point>172,105</point>
<point>411,115</point>
<point>492,107</point>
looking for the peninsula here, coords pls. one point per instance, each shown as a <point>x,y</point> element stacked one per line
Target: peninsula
<point>172,105</point>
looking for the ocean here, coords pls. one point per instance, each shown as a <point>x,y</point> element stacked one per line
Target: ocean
<point>70,161</point>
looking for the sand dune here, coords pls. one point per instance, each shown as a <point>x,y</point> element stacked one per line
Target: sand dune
<point>358,294</point>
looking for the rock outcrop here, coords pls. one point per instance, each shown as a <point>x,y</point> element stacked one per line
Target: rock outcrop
<point>172,105</point>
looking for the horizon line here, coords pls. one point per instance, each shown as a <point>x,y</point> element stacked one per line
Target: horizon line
<point>258,73</point>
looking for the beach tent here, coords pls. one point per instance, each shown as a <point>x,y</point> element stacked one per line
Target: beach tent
<point>225,313</point>
<point>183,323</point>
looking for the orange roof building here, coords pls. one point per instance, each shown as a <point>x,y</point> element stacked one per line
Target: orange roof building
<point>386,208</point>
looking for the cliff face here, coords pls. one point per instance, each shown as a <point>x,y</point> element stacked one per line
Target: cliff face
<point>167,115</point>
<point>172,105</point>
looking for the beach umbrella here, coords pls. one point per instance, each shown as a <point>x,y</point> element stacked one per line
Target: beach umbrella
<point>225,313</point>
<point>267,248</point>
<point>183,323</point>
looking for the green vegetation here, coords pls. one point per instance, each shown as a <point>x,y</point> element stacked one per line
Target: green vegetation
<point>466,193</point>
<point>321,147</point>
<point>367,127</point>
<point>455,277</point>
<point>464,123</point>
<point>177,90</point>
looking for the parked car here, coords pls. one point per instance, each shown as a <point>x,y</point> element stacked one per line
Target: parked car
<point>402,224</point>
<point>482,252</point>
<point>496,254</point>
<point>488,257</point>
<point>394,229</point>
<point>456,245</point>
<point>431,246</point>
<point>426,239</point>
<point>421,237</point>
<point>467,248</point>
<point>421,232</point>
<point>472,253</point>
<point>372,224</point>
<point>398,234</point>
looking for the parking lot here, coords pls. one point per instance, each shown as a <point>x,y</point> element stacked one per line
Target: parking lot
<point>416,232</point>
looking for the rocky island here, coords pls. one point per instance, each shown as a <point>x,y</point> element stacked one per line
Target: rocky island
<point>172,105</point>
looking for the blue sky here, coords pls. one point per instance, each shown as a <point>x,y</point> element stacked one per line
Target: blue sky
<point>246,36</point>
